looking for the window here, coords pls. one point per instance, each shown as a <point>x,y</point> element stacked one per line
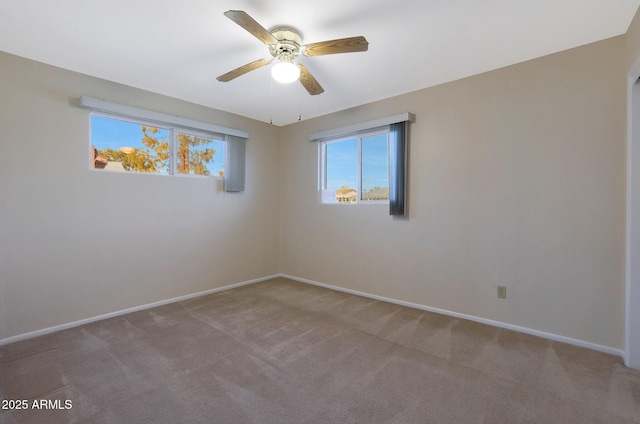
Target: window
<point>355,169</point>
<point>129,139</point>
<point>359,164</point>
<point>131,145</point>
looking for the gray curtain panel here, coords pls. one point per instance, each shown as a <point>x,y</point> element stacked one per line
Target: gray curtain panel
<point>398,168</point>
<point>234,166</point>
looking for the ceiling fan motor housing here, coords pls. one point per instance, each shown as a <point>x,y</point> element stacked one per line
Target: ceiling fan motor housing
<point>289,42</point>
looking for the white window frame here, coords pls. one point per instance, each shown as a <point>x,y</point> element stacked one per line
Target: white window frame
<point>323,195</point>
<point>174,130</point>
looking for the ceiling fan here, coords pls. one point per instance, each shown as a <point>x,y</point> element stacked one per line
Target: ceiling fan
<point>285,45</point>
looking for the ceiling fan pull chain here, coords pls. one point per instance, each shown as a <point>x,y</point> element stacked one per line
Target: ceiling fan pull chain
<point>299,105</point>
<point>271,101</point>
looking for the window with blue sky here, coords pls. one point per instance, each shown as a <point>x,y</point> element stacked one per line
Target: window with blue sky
<point>355,169</point>
<point>138,146</point>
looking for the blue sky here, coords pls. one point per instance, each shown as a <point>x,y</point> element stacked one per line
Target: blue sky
<point>342,163</point>
<point>114,134</point>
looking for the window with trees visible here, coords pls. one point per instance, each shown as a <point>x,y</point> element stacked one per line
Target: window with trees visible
<point>355,169</point>
<point>130,145</point>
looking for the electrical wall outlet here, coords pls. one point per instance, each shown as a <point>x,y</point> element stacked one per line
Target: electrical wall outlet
<point>502,292</point>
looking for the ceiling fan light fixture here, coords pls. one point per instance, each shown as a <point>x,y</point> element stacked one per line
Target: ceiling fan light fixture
<point>285,72</point>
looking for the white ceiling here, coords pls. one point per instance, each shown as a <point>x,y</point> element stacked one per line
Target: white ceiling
<point>179,47</point>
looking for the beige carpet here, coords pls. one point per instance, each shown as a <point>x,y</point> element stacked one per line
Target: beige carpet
<point>286,352</point>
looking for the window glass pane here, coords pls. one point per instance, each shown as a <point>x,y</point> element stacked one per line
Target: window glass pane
<point>375,167</point>
<point>126,146</point>
<point>341,174</point>
<point>199,155</point>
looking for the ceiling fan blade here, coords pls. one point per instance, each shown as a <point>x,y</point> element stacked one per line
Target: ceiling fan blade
<point>244,69</point>
<point>248,23</point>
<point>309,82</point>
<point>342,45</point>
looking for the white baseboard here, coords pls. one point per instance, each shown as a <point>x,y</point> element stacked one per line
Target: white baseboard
<point>53,329</point>
<point>543,334</point>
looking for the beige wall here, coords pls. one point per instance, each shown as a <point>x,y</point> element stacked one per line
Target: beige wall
<point>76,243</point>
<point>517,178</point>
